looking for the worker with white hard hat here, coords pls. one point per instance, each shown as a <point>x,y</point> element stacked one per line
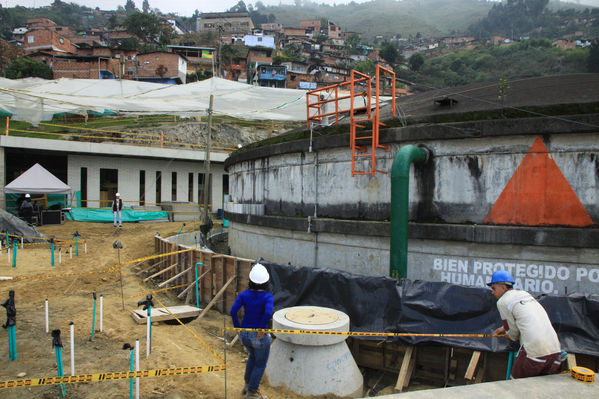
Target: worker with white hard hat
<point>257,304</point>
<point>525,320</point>
<point>117,207</point>
<point>26,209</point>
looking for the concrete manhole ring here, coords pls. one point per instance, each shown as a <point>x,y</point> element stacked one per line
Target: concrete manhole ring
<point>312,316</point>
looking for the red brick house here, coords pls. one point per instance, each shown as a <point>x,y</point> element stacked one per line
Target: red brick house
<point>161,66</point>
<point>48,41</point>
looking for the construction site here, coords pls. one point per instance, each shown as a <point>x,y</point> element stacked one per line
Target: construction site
<point>380,221</point>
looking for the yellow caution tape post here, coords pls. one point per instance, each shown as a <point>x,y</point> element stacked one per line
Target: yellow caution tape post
<point>119,375</point>
<point>583,374</point>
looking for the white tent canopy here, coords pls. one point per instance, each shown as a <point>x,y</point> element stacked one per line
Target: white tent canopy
<point>37,180</point>
<point>35,100</point>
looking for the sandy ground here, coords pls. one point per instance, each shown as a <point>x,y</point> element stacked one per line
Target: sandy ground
<point>70,300</point>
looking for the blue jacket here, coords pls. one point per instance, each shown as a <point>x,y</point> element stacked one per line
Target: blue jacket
<point>257,307</point>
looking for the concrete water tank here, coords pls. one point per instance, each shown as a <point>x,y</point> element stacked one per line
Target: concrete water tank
<point>313,364</point>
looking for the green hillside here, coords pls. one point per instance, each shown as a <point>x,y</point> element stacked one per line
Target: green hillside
<point>389,17</point>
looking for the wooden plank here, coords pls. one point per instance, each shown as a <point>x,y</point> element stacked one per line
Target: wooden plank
<point>218,265</point>
<point>150,267</point>
<point>571,361</point>
<point>216,297</point>
<point>404,378</point>
<point>207,283</point>
<point>233,341</point>
<point>192,286</point>
<point>410,371</point>
<point>230,293</point>
<point>159,272</point>
<point>472,365</point>
<point>173,278</point>
<point>161,314</point>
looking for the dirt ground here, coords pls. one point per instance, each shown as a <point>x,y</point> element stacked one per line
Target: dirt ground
<point>70,300</point>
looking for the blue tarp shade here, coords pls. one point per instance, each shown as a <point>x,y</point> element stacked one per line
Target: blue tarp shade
<point>105,215</point>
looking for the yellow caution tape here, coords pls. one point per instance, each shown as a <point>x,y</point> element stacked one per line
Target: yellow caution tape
<point>119,375</point>
<point>583,374</point>
<point>362,334</point>
<point>111,269</point>
<point>204,344</point>
<point>160,290</point>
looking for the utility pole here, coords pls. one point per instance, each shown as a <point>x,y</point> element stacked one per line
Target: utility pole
<point>220,53</point>
<point>206,222</point>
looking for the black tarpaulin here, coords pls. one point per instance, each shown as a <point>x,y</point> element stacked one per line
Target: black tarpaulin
<point>382,304</point>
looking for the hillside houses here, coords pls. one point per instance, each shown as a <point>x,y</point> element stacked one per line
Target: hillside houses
<point>320,55</point>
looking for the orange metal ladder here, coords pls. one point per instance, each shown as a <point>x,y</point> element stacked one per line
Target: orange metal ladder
<point>360,116</point>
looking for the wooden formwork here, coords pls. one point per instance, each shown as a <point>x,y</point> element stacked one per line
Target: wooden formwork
<point>224,276</point>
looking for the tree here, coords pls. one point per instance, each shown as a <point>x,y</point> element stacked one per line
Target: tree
<point>366,67</point>
<point>593,57</point>
<point>146,6</point>
<point>389,53</point>
<point>27,68</point>
<point>112,21</point>
<point>239,7</point>
<point>416,61</point>
<point>130,7</point>
<point>148,27</point>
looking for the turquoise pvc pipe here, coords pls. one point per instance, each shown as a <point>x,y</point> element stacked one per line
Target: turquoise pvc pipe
<point>12,344</point>
<point>7,242</point>
<point>131,379</point>
<point>76,245</point>
<point>94,318</point>
<point>52,253</point>
<point>197,290</point>
<point>510,363</point>
<point>400,207</point>
<point>61,388</point>
<point>14,253</point>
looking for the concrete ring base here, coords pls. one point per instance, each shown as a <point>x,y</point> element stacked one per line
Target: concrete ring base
<point>314,370</point>
<point>310,318</point>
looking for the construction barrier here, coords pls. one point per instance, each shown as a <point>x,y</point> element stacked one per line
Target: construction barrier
<point>119,375</point>
<point>362,334</point>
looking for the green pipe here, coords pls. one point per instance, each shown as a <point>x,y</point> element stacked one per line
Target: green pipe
<point>400,206</point>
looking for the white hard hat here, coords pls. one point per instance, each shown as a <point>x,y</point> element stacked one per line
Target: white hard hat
<point>118,194</point>
<point>259,274</point>
<point>27,196</point>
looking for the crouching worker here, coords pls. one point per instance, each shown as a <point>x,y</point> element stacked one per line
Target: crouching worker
<point>525,320</point>
<point>257,304</point>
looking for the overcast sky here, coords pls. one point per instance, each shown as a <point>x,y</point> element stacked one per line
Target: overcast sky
<point>182,7</point>
<point>186,7</point>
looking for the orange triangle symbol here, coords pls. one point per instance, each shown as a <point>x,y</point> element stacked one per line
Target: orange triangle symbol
<point>538,194</point>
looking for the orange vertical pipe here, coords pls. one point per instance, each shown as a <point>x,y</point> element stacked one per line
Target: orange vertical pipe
<point>161,139</point>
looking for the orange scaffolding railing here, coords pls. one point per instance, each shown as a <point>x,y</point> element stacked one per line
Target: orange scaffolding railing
<point>360,86</point>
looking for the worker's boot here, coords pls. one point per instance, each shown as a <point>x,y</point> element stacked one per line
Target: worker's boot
<point>244,391</point>
<point>254,395</point>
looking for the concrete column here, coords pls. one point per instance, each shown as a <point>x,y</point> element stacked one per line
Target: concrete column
<point>217,189</point>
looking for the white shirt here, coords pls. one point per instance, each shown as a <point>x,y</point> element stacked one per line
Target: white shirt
<point>527,322</point>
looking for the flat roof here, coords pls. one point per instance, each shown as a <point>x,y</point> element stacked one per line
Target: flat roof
<point>109,149</point>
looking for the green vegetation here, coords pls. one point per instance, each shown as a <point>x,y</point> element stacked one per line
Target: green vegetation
<point>27,68</point>
<point>528,58</point>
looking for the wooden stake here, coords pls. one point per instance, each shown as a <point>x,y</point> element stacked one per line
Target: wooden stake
<point>218,295</point>
<point>173,278</point>
<point>160,272</point>
<point>472,365</point>
<point>404,376</point>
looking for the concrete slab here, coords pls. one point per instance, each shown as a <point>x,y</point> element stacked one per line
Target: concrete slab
<point>558,385</point>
